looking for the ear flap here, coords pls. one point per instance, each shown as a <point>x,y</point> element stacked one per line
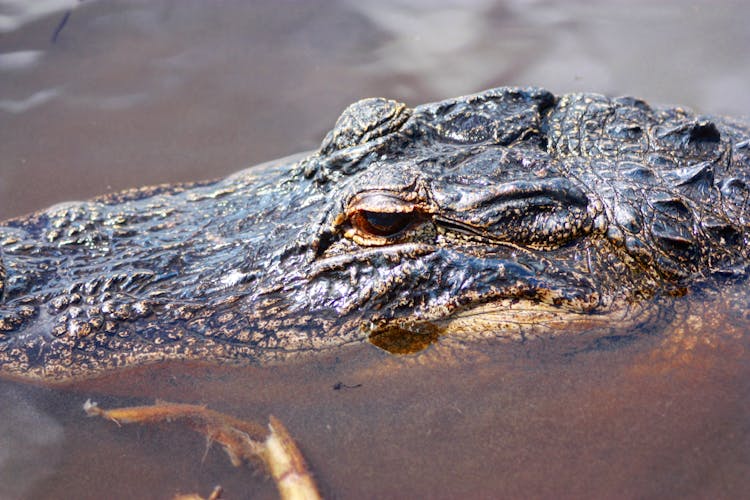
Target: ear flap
<point>497,116</point>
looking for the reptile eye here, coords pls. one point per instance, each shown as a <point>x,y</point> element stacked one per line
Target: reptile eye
<point>375,218</point>
<point>381,223</point>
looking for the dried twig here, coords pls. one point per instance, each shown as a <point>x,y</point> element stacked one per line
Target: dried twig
<point>243,441</point>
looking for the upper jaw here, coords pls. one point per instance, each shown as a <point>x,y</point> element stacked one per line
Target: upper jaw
<point>429,282</point>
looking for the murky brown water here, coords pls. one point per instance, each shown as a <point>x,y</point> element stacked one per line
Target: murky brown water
<point>131,93</point>
<point>663,416</point>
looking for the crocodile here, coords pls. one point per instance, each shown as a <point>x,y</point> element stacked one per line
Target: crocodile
<point>512,213</point>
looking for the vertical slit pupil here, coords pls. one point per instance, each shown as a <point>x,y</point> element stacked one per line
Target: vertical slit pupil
<point>383,223</point>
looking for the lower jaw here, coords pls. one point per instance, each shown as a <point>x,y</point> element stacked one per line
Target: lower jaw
<point>510,319</point>
<point>521,320</point>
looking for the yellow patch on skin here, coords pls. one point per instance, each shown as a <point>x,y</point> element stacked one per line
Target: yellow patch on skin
<point>511,319</point>
<point>518,319</point>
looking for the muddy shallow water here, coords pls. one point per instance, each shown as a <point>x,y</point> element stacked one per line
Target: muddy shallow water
<point>101,96</point>
<point>662,415</point>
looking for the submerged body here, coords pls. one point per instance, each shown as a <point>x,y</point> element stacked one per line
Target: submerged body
<point>511,212</point>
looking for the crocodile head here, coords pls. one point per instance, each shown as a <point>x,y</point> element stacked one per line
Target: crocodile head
<point>509,213</point>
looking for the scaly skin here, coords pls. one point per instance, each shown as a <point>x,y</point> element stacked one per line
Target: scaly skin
<point>509,213</point>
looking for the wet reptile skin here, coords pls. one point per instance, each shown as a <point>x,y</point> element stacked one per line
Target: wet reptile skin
<point>518,211</point>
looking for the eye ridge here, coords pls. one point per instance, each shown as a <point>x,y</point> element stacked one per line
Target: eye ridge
<point>382,223</point>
